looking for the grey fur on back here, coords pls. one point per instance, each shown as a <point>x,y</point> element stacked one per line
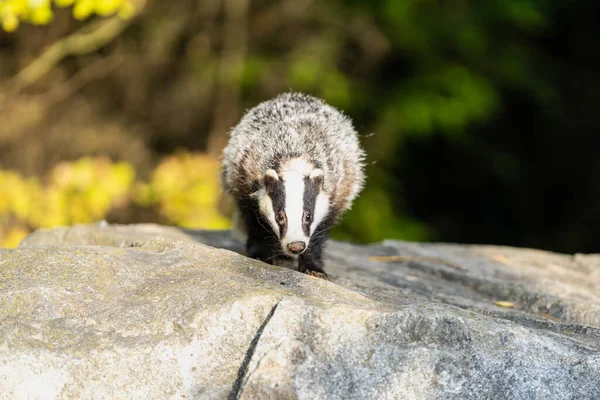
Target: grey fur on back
<point>296,124</point>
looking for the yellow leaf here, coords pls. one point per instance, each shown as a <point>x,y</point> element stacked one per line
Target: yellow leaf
<point>107,7</point>
<point>10,22</point>
<point>17,8</point>
<point>505,304</point>
<point>83,9</point>
<point>41,16</point>
<point>14,237</point>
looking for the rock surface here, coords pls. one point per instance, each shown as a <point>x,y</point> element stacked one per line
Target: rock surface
<point>144,311</point>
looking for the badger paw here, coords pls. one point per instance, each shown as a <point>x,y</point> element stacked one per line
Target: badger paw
<point>317,274</point>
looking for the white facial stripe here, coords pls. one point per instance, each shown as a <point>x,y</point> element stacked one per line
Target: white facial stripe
<point>266,208</point>
<point>316,173</point>
<point>294,206</point>
<point>272,174</point>
<point>321,210</point>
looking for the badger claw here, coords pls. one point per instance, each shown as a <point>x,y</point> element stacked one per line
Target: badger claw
<point>317,274</point>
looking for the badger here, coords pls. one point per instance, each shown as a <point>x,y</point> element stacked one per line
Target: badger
<point>293,166</point>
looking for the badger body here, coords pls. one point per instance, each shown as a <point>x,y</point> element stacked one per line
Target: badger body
<point>293,166</point>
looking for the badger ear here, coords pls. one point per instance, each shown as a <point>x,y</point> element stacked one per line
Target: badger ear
<point>317,177</point>
<point>270,179</point>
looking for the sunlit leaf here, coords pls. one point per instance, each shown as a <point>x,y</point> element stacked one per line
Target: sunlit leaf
<point>10,22</point>
<point>13,236</point>
<point>41,16</point>
<point>83,9</point>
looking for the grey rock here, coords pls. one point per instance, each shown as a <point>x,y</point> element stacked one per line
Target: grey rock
<point>144,311</point>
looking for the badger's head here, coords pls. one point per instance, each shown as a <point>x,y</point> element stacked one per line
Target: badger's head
<point>294,204</point>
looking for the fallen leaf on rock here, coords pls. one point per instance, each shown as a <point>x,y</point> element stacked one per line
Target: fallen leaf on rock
<point>500,258</point>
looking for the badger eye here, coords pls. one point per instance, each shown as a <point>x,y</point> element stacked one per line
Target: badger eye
<point>280,217</point>
<point>307,216</point>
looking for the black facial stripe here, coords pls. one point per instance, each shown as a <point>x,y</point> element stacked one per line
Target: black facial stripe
<point>311,191</point>
<point>277,194</point>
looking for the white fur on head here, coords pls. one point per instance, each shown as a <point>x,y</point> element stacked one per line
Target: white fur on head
<point>321,202</point>
<point>294,208</point>
<point>271,174</point>
<point>321,210</point>
<point>265,204</point>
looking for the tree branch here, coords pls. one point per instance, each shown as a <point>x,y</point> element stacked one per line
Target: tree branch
<point>87,40</point>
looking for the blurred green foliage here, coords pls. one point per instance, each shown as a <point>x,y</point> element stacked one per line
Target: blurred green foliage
<point>447,65</point>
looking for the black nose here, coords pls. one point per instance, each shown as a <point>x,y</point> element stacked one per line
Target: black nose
<point>296,247</point>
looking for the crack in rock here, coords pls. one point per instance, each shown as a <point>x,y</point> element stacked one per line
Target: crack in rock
<point>237,385</point>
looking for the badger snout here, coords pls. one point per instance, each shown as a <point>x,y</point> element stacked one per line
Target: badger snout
<point>296,247</point>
